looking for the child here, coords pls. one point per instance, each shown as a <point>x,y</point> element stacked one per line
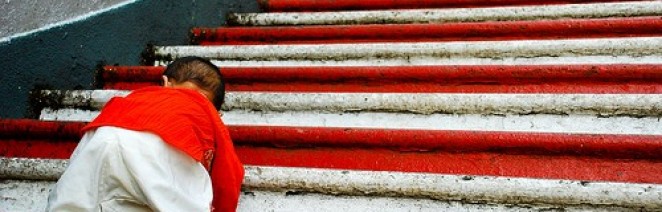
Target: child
<point>155,150</point>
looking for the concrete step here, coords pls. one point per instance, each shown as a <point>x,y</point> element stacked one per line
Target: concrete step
<point>573,167</point>
<point>466,31</point>
<point>640,50</point>
<point>613,78</point>
<point>330,5</point>
<point>465,188</point>
<point>593,10</point>
<point>27,138</point>
<point>604,105</point>
<point>615,158</point>
<point>25,195</point>
<point>552,113</point>
<point>581,124</point>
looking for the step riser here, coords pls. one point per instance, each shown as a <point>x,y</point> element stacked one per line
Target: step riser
<point>599,10</point>
<point>525,123</point>
<point>515,30</point>
<point>611,49</point>
<point>328,5</point>
<point>394,87</point>
<point>599,146</point>
<point>637,105</point>
<point>432,186</point>
<point>440,74</point>
<point>495,164</point>
<point>415,79</point>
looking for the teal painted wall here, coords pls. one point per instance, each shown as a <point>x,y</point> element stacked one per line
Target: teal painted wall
<point>66,57</point>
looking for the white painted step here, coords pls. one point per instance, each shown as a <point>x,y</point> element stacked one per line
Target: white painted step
<point>22,195</point>
<point>637,105</point>
<point>579,124</point>
<point>526,52</point>
<point>595,10</point>
<point>470,189</point>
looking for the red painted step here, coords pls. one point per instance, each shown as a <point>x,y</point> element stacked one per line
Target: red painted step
<point>617,78</point>
<point>370,149</point>
<point>550,88</point>
<point>328,5</point>
<point>471,163</point>
<point>474,31</point>
<point>475,163</point>
<point>36,134</point>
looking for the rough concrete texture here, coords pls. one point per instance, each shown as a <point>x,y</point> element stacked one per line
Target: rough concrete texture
<point>633,47</point>
<point>65,57</point>
<point>19,195</point>
<point>487,104</point>
<point>477,189</point>
<point>637,105</point>
<point>519,123</point>
<point>598,10</point>
<point>24,195</point>
<point>301,201</point>
<point>469,189</point>
<point>76,98</point>
<point>31,169</point>
<point>21,16</point>
<point>513,123</point>
<point>429,61</point>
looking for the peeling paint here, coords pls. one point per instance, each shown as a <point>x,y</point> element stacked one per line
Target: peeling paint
<point>78,98</point>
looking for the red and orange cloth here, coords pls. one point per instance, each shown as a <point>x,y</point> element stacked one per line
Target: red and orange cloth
<point>189,122</point>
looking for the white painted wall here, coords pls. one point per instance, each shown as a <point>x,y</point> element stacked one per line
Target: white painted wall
<point>22,16</point>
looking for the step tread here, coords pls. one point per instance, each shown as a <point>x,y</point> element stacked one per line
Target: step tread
<point>593,10</point>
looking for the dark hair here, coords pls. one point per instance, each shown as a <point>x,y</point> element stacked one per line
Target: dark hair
<point>202,73</point>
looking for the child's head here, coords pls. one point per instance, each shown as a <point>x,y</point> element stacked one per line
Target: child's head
<point>199,74</point>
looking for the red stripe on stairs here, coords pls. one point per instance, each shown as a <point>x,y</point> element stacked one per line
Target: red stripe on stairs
<point>474,31</point>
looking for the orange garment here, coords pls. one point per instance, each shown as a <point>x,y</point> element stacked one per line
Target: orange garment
<point>189,122</point>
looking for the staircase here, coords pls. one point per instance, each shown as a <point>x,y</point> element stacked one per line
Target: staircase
<point>375,105</point>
